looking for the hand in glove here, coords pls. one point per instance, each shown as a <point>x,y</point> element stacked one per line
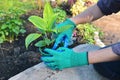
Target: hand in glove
<point>66,35</point>
<point>64,58</point>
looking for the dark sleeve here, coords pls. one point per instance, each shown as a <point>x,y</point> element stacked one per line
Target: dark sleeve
<point>116,48</point>
<point>109,6</point>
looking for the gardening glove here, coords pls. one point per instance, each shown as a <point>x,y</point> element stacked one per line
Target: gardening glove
<point>65,36</point>
<point>64,58</point>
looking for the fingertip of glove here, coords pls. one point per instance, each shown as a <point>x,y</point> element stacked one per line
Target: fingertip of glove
<point>52,68</point>
<point>66,45</point>
<point>42,58</point>
<point>54,47</point>
<point>46,49</point>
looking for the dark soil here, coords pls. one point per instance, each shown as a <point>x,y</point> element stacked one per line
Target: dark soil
<point>14,58</point>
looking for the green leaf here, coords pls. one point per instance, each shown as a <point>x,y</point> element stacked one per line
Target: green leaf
<point>43,43</point>
<point>51,23</point>
<point>1,40</point>
<point>6,33</point>
<point>22,30</point>
<point>4,26</point>
<point>2,37</point>
<point>40,43</point>
<point>48,41</point>
<point>16,30</point>
<point>49,16</point>
<point>38,22</point>
<point>30,38</point>
<point>64,28</point>
<point>18,22</point>
<point>43,53</point>
<point>48,11</point>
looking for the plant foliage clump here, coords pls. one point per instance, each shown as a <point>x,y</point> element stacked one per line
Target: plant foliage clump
<point>46,27</point>
<point>86,31</point>
<point>11,25</point>
<point>61,14</point>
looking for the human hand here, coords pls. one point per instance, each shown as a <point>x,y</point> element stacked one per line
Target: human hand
<point>64,58</point>
<point>65,36</point>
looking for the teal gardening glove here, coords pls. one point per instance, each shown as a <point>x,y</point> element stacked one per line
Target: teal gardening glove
<point>66,35</point>
<point>64,58</point>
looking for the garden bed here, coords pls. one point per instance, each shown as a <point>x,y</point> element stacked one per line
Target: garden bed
<point>15,58</point>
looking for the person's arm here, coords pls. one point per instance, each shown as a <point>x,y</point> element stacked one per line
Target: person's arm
<point>102,7</point>
<point>103,55</point>
<point>88,15</point>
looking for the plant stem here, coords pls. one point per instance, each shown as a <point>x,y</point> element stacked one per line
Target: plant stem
<point>46,35</point>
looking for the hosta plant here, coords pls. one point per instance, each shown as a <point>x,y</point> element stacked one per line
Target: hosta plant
<point>46,27</point>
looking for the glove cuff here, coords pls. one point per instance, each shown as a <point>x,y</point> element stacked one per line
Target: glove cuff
<point>70,22</point>
<point>79,59</point>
